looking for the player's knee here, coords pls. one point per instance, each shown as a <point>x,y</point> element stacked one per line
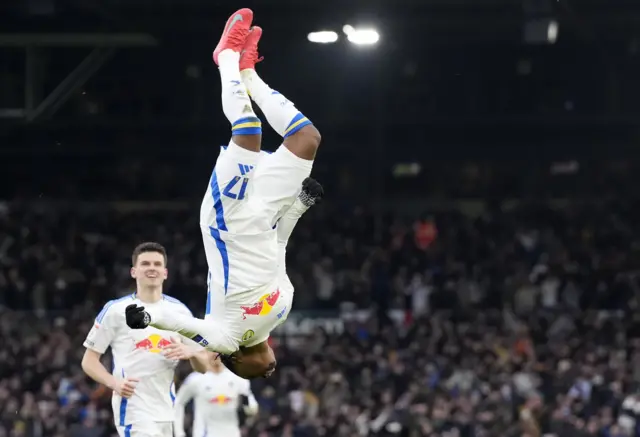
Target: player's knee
<point>304,143</point>
<point>312,135</point>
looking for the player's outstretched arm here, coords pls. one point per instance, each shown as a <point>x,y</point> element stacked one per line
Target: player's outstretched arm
<point>207,333</point>
<point>311,193</point>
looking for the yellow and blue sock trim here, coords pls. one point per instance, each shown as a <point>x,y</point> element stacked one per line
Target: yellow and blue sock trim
<point>298,122</point>
<point>247,126</point>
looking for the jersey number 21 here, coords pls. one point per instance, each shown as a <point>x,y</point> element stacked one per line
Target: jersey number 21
<point>228,190</point>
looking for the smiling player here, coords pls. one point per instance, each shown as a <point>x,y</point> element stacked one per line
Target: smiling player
<point>144,361</point>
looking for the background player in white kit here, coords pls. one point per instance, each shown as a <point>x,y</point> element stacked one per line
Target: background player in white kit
<point>144,361</point>
<point>252,204</point>
<point>216,396</point>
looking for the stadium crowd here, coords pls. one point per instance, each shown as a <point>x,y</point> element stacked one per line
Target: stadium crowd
<point>517,320</point>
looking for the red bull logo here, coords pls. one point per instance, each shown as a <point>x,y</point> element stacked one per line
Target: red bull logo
<point>263,307</point>
<point>220,400</point>
<point>154,343</point>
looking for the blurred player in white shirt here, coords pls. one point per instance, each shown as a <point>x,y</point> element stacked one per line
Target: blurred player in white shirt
<point>216,396</point>
<point>144,361</point>
<point>252,203</point>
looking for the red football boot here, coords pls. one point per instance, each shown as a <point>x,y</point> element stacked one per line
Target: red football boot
<point>249,55</point>
<point>235,32</point>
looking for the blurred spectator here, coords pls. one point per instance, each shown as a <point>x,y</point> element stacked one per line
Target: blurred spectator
<point>515,322</point>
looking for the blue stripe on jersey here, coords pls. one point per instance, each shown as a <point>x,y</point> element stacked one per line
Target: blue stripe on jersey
<point>127,431</point>
<point>123,408</point>
<point>222,248</point>
<point>173,397</point>
<point>207,309</point>
<point>108,305</point>
<point>217,202</point>
<point>174,300</point>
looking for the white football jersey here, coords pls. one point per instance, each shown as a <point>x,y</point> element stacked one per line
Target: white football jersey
<point>239,244</point>
<point>215,402</point>
<point>137,353</point>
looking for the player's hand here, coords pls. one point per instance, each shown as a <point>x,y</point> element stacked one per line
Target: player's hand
<point>312,192</point>
<point>178,351</point>
<point>136,317</point>
<point>126,387</point>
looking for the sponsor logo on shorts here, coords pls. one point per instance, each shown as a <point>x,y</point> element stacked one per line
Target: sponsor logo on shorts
<point>263,307</point>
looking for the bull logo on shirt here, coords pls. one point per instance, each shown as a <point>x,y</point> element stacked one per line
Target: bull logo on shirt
<point>155,343</point>
<point>220,400</point>
<point>263,307</point>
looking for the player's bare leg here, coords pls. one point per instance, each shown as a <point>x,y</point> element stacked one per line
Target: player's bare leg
<point>236,104</point>
<point>300,136</point>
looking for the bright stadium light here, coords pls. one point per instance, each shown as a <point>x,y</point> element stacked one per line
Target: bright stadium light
<point>323,37</point>
<point>363,37</point>
<point>552,31</point>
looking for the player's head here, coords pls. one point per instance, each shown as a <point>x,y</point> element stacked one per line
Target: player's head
<point>149,264</point>
<point>250,363</point>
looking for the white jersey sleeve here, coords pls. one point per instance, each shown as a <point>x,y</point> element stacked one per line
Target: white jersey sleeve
<point>187,392</point>
<point>182,309</point>
<point>104,329</point>
<point>252,408</point>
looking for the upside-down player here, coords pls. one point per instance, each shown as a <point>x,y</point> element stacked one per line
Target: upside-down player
<point>253,201</point>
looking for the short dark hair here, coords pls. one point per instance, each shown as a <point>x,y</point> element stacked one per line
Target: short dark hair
<point>149,246</point>
<point>230,363</point>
